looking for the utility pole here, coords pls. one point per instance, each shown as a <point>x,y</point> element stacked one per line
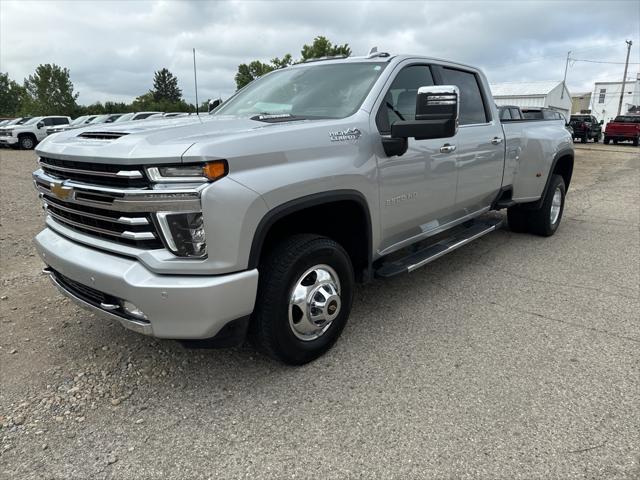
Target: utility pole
<point>195,79</point>
<point>564,81</point>
<point>624,78</point>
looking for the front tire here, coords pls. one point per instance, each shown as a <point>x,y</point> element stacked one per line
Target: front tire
<point>27,142</point>
<point>606,140</point>
<point>304,298</point>
<point>584,138</point>
<point>635,142</point>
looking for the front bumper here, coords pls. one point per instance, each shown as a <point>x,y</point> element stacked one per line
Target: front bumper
<point>176,306</point>
<point>8,140</point>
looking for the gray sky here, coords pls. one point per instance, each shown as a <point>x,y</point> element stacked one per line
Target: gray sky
<point>113,47</point>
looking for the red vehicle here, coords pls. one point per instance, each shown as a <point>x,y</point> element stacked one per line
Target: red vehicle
<point>625,128</point>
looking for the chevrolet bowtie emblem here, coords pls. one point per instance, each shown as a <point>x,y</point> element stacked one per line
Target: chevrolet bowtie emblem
<point>61,191</point>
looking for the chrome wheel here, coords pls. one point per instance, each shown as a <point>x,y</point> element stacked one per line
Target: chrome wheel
<point>556,204</point>
<point>314,302</point>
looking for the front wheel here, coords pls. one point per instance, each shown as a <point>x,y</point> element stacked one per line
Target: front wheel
<point>606,140</point>
<point>584,138</point>
<point>27,142</point>
<point>635,142</point>
<point>304,298</point>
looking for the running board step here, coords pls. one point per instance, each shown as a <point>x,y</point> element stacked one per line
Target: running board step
<point>434,251</point>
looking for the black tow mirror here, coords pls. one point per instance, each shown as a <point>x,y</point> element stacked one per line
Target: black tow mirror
<point>40,125</point>
<point>437,112</point>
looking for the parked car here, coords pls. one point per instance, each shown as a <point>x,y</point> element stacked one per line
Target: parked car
<point>156,116</point>
<point>11,123</point>
<point>105,118</point>
<point>262,216</point>
<point>75,123</point>
<point>130,117</point>
<point>624,128</point>
<point>586,127</point>
<point>28,134</point>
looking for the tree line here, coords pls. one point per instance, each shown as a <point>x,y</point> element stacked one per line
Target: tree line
<point>50,91</point>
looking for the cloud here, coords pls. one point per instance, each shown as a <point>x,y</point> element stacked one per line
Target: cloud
<point>113,48</point>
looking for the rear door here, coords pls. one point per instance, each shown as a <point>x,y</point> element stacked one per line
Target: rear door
<point>480,142</point>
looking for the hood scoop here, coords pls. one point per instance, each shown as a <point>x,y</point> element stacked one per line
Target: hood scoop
<point>102,135</point>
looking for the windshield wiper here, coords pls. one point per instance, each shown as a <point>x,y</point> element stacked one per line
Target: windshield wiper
<point>277,117</point>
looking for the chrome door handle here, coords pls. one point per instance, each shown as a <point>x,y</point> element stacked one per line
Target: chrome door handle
<point>496,140</point>
<point>446,148</point>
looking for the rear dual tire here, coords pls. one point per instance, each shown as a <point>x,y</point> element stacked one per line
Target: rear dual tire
<point>543,221</point>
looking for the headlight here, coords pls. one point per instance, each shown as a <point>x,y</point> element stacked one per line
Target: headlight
<point>183,233</point>
<point>206,172</point>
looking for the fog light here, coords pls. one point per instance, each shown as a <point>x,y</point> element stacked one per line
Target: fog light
<point>183,233</point>
<point>133,310</point>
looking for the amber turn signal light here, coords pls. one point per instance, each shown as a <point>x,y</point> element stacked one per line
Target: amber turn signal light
<point>215,170</point>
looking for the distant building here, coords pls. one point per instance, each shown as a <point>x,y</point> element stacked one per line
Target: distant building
<point>605,99</point>
<point>534,94</point>
<point>581,102</point>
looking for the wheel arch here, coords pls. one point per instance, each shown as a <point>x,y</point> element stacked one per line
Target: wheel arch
<point>351,226</point>
<point>562,164</point>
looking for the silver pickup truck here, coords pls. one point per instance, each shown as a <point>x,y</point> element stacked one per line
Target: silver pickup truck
<point>259,219</point>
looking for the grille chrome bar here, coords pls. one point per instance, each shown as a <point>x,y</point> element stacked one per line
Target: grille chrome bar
<point>119,174</point>
<point>125,199</point>
<point>122,220</point>
<point>138,236</point>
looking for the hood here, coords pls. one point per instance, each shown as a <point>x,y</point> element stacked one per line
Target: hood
<point>160,141</point>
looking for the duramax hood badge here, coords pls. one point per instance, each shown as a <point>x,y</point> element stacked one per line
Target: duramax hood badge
<point>348,135</point>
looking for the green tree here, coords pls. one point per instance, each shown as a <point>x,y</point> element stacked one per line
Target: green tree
<point>12,96</point>
<point>165,87</point>
<point>322,47</point>
<point>50,91</point>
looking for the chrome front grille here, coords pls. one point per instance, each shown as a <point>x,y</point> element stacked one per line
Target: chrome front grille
<point>136,230</point>
<point>95,173</point>
<point>74,198</point>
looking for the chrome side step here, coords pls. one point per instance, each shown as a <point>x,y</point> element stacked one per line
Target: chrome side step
<point>429,253</point>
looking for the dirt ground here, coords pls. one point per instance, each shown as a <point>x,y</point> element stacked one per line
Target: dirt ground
<point>514,357</point>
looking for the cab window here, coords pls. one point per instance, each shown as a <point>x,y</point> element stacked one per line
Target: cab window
<point>471,102</point>
<point>400,100</point>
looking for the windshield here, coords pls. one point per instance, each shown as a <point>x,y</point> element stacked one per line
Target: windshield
<point>22,120</point>
<point>627,119</point>
<point>124,118</point>
<point>99,119</point>
<point>79,120</point>
<point>580,118</point>
<point>314,91</point>
<point>33,120</point>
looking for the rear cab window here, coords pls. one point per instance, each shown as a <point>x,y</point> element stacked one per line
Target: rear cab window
<point>472,104</point>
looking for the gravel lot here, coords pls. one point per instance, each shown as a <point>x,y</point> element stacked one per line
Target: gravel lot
<point>514,357</point>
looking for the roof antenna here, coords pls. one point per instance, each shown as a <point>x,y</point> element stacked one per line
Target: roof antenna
<point>372,51</point>
<point>195,79</point>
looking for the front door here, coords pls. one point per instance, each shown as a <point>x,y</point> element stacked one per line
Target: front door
<point>417,189</point>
